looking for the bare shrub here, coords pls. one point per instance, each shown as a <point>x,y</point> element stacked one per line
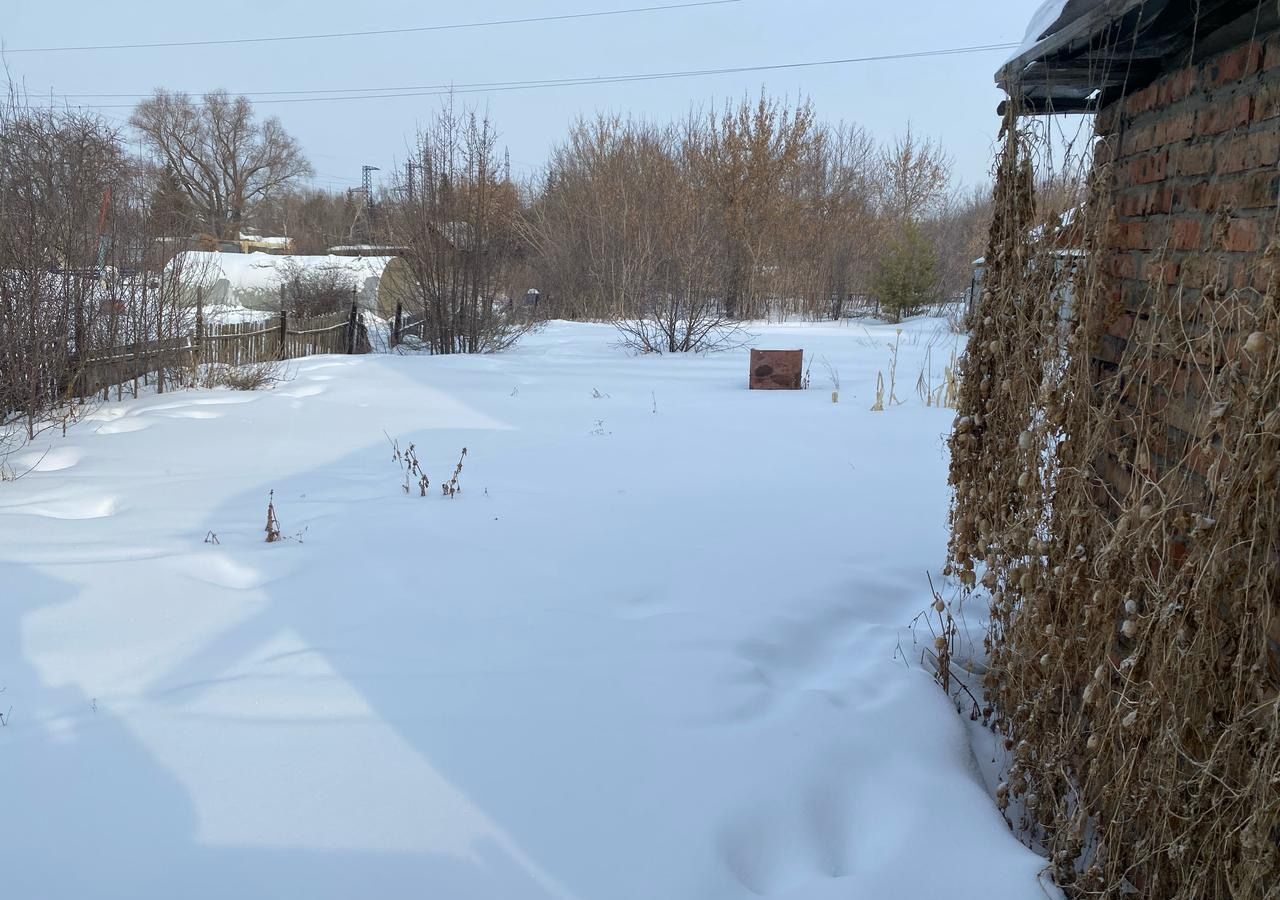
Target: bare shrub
<point>249,377</point>
<point>310,290</point>
<point>81,307</point>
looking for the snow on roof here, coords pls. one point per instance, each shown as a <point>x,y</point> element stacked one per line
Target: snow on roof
<point>1065,221</point>
<point>266,270</point>
<point>254,279</point>
<point>1041,25</point>
<point>267,240</point>
<point>366,249</point>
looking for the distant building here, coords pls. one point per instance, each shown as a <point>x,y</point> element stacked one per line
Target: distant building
<point>255,243</point>
<point>254,281</point>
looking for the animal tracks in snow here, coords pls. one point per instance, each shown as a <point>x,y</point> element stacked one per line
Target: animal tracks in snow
<point>788,842</point>
<point>828,653</point>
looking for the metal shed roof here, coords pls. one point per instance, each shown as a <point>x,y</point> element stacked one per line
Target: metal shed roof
<point>1089,52</point>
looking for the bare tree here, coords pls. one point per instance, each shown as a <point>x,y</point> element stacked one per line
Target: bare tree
<point>216,154</point>
<point>828,240</point>
<point>315,219</point>
<point>621,235</point>
<point>915,177</point>
<point>56,170</point>
<point>743,161</point>
<point>797,215</point>
<point>458,231</point>
<point>958,233</point>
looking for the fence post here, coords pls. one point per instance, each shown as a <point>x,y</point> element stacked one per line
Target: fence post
<point>284,334</point>
<point>351,326</point>
<point>399,323</point>
<point>198,353</point>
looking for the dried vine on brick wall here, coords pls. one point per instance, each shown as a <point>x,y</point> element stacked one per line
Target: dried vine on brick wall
<point>1122,519</point>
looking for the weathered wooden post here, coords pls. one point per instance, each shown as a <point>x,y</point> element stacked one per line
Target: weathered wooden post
<point>395,329</point>
<point>283,352</point>
<point>352,324</point>
<point>197,352</point>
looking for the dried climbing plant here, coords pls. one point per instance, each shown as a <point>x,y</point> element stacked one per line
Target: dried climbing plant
<point>1132,577</point>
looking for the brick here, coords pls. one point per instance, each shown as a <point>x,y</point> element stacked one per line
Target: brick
<point>1218,117</point>
<point>1243,236</point>
<point>1179,86</point>
<point>1241,278</point>
<point>1200,270</point>
<point>1196,159</point>
<point>1201,196</point>
<point>1158,269</point>
<point>1187,234</point>
<point>1252,190</point>
<point>1242,191</point>
<point>1233,65</point>
<point>1175,128</point>
<point>1149,168</point>
<point>1259,190</point>
<point>1109,349</point>
<point>1271,53</point>
<point>1124,265</point>
<point>1170,271</point>
<point>1145,200</point>
<point>1142,101</point>
<point>1266,102</point>
<point>1260,278</point>
<point>1249,151</point>
<point>1121,326</point>
<point>1132,236</point>
<point>1137,140</point>
<point>1107,119</point>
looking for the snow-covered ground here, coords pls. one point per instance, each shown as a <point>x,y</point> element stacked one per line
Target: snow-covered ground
<point>650,652</point>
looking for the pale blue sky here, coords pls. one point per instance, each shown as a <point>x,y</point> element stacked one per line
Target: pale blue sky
<point>952,98</point>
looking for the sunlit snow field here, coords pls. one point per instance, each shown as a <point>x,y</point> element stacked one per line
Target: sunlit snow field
<point>654,650</point>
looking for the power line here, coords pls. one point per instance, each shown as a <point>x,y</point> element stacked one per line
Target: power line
<point>382,31</point>
<point>501,86</point>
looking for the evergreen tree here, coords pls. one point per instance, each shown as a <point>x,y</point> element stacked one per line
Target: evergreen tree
<point>906,273</point>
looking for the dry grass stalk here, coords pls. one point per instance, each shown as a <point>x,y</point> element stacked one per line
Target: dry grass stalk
<point>451,487</point>
<point>273,524</point>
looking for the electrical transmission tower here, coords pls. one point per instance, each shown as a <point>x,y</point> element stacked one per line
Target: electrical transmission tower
<point>410,168</point>
<point>366,209</point>
<point>366,181</point>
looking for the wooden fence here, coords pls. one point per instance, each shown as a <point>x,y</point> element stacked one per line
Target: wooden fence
<point>100,370</point>
<point>281,337</point>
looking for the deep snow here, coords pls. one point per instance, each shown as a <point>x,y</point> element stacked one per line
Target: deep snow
<point>644,655</point>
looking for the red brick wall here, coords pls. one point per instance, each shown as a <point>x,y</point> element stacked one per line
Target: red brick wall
<point>1195,184</point>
